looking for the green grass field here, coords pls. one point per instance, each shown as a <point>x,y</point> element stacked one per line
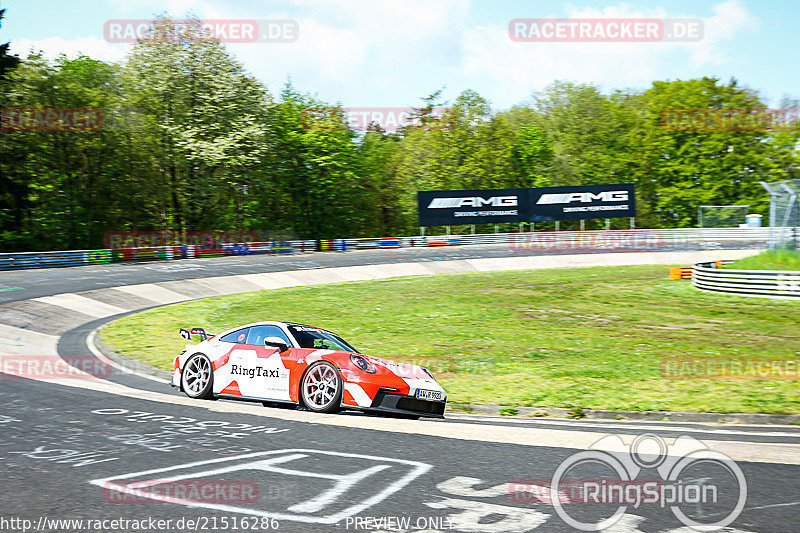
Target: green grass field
<point>776,260</point>
<point>568,337</point>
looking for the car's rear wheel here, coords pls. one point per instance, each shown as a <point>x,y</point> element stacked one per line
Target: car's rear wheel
<point>197,377</point>
<point>321,388</point>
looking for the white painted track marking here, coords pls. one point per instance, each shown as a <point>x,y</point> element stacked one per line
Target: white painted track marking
<point>97,353</point>
<point>658,426</point>
<point>18,341</point>
<point>264,463</point>
<point>780,453</point>
<point>154,292</point>
<point>81,304</point>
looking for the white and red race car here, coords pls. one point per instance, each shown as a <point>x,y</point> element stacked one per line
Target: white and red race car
<point>294,364</point>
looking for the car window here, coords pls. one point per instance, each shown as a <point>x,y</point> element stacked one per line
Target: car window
<point>237,337</point>
<point>257,335</point>
<point>308,337</point>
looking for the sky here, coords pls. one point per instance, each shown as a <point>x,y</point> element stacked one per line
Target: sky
<point>367,53</point>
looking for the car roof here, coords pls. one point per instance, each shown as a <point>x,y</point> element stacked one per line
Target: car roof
<point>270,323</point>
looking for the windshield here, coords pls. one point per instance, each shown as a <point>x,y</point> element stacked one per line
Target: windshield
<point>308,337</point>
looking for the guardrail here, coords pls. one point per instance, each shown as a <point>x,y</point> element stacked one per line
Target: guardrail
<point>637,240</point>
<point>783,284</point>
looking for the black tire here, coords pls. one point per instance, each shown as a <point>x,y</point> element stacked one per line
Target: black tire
<point>197,377</point>
<point>315,388</point>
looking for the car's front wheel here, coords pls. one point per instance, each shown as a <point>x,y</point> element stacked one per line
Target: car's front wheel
<point>321,388</point>
<point>197,377</point>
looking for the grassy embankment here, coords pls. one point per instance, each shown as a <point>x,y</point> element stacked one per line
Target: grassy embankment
<point>776,260</point>
<point>571,337</point>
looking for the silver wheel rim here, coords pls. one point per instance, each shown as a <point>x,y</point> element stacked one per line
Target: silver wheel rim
<point>196,375</point>
<point>320,386</point>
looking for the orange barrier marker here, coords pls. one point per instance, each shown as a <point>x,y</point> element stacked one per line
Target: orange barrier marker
<point>680,273</point>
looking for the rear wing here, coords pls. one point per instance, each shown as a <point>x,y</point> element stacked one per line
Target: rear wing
<point>187,333</point>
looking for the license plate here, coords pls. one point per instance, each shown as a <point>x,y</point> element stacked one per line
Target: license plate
<point>432,395</point>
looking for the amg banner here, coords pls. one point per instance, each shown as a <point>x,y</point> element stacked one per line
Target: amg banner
<point>583,201</point>
<point>451,208</point>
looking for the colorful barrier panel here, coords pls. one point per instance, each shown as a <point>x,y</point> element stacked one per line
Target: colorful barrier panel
<point>97,257</point>
<point>389,242</point>
<point>303,247</point>
<point>644,240</point>
<point>345,245</point>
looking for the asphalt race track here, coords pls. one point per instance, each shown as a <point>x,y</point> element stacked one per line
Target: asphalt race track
<point>125,452</point>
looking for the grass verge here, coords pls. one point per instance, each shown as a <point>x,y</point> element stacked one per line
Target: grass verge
<point>581,338</point>
<point>774,260</point>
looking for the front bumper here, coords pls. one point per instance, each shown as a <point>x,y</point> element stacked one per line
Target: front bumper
<point>399,404</point>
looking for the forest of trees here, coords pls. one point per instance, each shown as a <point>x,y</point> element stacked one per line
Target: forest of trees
<point>191,141</point>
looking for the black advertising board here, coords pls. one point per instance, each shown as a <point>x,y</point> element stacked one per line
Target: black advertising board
<point>451,208</point>
<point>493,206</point>
<point>583,201</point>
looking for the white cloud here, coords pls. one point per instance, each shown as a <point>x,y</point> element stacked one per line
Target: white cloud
<point>730,20</point>
<point>52,47</point>
<point>321,57</point>
<point>356,53</point>
<point>374,53</point>
<point>511,70</point>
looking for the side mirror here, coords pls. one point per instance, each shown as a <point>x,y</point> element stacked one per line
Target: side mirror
<point>276,342</point>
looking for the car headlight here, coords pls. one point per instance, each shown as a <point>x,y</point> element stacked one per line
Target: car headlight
<point>362,363</point>
<point>428,372</point>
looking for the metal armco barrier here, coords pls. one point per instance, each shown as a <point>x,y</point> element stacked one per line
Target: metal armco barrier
<point>389,242</point>
<point>545,242</point>
<point>367,244</point>
<point>784,284</point>
<point>345,245</point>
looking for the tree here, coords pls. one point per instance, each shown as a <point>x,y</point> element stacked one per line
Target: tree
<point>716,167</point>
<point>7,61</point>
<point>206,126</point>
<point>314,168</point>
<point>532,155</point>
